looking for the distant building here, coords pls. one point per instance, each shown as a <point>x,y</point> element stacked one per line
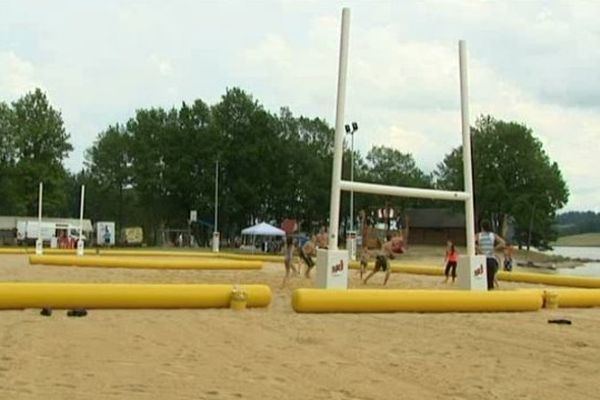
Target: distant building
<point>435,226</point>
<point>8,226</point>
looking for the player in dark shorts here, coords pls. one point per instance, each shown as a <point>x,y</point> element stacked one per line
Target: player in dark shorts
<point>394,245</point>
<point>306,251</point>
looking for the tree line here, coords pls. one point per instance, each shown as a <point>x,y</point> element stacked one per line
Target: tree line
<point>576,222</point>
<point>154,168</point>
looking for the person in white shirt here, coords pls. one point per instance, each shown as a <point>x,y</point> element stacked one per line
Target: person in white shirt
<point>487,243</point>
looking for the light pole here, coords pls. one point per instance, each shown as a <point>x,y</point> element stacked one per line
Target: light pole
<point>80,242</point>
<point>351,237</point>
<point>215,243</point>
<point>39,243</point>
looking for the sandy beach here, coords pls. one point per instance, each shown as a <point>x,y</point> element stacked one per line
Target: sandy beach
<point>276,353</point>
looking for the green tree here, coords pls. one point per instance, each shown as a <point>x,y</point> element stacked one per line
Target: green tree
<point>248,150</point>
<point>41,144</point>
<point>8,196</point>
<point>388,166</point>
<point>147,130</point>
<point>108,174</point>
<point>513,178</point>
<point>188,150</point>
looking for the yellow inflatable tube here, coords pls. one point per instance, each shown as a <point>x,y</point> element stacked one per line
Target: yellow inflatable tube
<point>380,301</point>
<point>28,250</point>
<point>514,276</point>
<point>167,253</point>
<point>143,263</point>
<point>152,253</point>
<point>571,298</point>
<point>407,269</point>
<point>123,296</point>
<point>257,257</point>
<point>550,279</point>
<point>575,298</point>
<point>149,253</point>
<point>13,250</point>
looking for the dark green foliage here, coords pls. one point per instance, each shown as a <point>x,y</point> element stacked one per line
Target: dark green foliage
<point>33,144</point>
<point>575,222</point>
<point>159,165</point>
<point>513,177</point>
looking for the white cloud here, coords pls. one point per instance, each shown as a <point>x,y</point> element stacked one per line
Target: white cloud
<point>163,66</point>
<point>17,75</point>
<point>404,93</point>
<point>532,62</point>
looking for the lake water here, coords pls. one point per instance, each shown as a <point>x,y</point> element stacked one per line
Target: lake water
<point>588,269</point>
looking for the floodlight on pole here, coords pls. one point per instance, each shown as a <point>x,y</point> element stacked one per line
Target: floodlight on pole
<point>39,244</point>
<point>215,241</point>
<point>80,241</point>
<point>351,236</point>
<point>350,131</point>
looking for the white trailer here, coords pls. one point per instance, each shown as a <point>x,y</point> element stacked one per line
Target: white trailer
<point>27,231</point>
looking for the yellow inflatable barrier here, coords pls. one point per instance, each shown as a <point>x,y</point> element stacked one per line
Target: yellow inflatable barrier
<point>380,301</point>
<point>13,250</point>
<point>256,257</point>
<point>167,253</point>
<point>124,296</point>
<point>571,298</point>
<point>148,253</point>
<point>407,269</point>
<point>152,253</point>
<point>31,250</point>
<point>550,279</point>
<point>513,276</point>
<point>575,298</point>
<point>144,263</point>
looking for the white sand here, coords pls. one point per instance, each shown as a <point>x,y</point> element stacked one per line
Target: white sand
<point>275,353</point>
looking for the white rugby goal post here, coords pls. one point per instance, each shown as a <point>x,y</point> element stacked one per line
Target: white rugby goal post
<point>332,263</point>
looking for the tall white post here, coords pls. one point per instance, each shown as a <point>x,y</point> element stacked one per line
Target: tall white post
<point>80,243</point>
<point>466,138</point>
<point>39,244</point>
<point>215,241</point>
<point>334,207</point>
<point>471,268</point>
<point>332,264</point>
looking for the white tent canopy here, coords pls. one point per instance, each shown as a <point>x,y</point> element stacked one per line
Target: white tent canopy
<point>263,229</point>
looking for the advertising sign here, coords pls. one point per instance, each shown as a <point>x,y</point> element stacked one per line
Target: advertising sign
<point>105,233</point>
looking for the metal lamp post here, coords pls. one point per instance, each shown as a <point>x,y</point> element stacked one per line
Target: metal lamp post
<point>215,241</point>
<point>351,237</point>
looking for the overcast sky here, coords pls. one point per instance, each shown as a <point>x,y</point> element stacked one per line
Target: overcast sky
<point>533,62</point>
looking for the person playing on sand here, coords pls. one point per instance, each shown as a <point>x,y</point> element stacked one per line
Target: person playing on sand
<point>451,260</point>
<point>508,260</point>
<point>288,259</point>
<point>394,245</point>
<point>487,242</point>
<point>306,251</point>
<point>364,261</point>
<point>322,239</point>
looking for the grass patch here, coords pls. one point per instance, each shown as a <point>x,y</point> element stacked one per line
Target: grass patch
<point>584,240</point>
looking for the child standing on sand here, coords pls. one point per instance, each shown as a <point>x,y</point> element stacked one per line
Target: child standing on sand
<point>288,259</point>
<point>364,261</point>
<point>508,260</point>
<point>451,261</point>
